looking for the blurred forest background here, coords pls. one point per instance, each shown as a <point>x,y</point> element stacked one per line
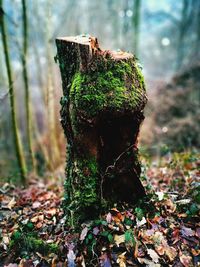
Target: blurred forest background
<point>164,36</point>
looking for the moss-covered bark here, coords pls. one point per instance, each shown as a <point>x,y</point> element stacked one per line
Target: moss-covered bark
<point>102,109</point>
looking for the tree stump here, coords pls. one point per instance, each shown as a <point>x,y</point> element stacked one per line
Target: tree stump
<point>102,109</point>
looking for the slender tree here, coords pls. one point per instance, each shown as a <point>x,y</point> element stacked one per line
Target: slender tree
<point>26,84</point>
<point>125,18</point>
<point>183,27</point>
<point>39,72</point>
<point>196,5</point>
<point>53,149</point>
<point>17,143</point>
<point>136,24</point>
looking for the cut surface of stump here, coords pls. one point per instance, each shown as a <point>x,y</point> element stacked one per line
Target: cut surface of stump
<point>102,109</point>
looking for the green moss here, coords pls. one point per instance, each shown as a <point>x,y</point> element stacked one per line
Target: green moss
<point>23,241</point>
<point>83,189</point>
<point>111,85</point>
<point>87,174</point>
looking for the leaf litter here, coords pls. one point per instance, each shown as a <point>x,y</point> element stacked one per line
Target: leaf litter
<point>164,231</point>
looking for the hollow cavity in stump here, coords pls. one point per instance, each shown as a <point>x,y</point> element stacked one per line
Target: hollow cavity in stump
<point>102,109</point>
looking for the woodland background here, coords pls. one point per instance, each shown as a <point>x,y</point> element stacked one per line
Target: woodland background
<point>164,35</point>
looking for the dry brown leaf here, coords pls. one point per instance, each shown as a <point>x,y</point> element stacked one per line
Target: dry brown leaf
<point>170,206</point>
<point>39,225</point>
<point>6,240</point>
<point>83,233</point>
<point>38,218</point>
<point>36,204</point>
<point>186,260</point>
<point>12,203</point>
<point>136,250</point>
<point>121,260</point>
<point>54,262</point>
<point>160,250</point>
<point>170,252</point>
<point>195,252</point>
<point>117,216</point>
<point>119,239</point>
<point>158,238</point>
<point>51,212</point>
<point>154,256</point>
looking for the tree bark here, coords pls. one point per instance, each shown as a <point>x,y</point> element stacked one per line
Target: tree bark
<point>102,109</point>
<point>136,24</point>
<point>17,141</point>
<point>31,159</point>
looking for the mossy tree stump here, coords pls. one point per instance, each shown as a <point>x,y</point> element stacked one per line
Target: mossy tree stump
<point>102,109</point>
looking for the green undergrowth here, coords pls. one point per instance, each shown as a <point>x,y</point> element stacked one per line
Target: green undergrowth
<point>25,241</point>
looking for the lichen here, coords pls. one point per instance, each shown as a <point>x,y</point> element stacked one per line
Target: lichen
<point>110,85</point>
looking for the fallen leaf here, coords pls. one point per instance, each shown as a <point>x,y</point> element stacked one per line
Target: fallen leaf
<point>95,230</point>
<point>39,225</point>
<point>122,260</point>
<point>154,256</point>
<point>186,260</point>
<point>51,212</point>
<point>195,252</point>
<point>12,203</point>
<point>104,260</point>
<point>80,261</point>
<point>170,206</point>
<point>26,263</point>
<point>6,240</point>
<point>160,195</point>
<point>170,252</point>
<point>119,239</point>
<point>71,258</point>
<point>83,233</point>
<point>160,250</point>
<point>175,235</point>
<point>183,201</point>
<point>11,265</point>
<point>148,263</point>
<point>36,204</point>
<point>140,223</point>
<point>109,217</point>
<point>185,231</point>
<point>38,218</point>
<point>136,250</point>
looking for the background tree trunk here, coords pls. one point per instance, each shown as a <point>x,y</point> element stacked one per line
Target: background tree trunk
<point>136,24</point>
<point>50,97</point>
<point>26,86</point>
<point>102,109</point>
<point>17,142</point>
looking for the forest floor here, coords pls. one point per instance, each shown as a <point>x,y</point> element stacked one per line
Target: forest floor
<point>162,232</point>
